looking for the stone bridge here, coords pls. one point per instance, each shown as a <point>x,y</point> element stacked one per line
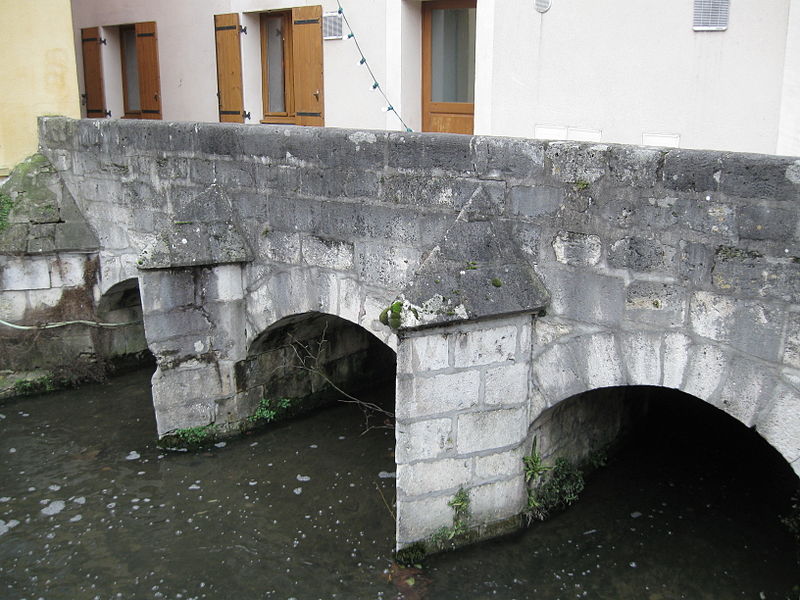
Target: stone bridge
<point>517,274</point>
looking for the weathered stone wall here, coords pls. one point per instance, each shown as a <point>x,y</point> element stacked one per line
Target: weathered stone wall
<point>655,267</point>
<point>48,287</point>
<point>462,420</point>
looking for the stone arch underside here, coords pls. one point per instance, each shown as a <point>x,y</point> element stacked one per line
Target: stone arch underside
<point>754,392</point>
<point>309,359</point>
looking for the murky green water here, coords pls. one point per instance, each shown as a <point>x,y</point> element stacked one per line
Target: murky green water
<point>90,508</point>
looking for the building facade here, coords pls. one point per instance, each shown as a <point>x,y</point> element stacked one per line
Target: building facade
<point>718,74</point>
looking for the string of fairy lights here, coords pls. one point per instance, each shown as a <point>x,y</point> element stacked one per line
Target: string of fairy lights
<point>388,107</point>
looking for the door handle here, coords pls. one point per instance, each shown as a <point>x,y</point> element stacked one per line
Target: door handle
<point>316,95</point>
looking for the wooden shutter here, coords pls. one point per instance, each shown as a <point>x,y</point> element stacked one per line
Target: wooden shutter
<point>229,68</point>
<point>93,73</point>
<point>309,99</point>
<point>149,79</point>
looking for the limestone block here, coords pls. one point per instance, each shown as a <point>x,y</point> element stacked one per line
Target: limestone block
<point>349,303</point>
<point>28,273</point>
<point>675,359</point>
<point>576,162</point>
<point>327,291</point>
<point>751,274</point>
<point>641,352</point>
<point>745,387</point>
<point>386,266</point>
<point>577,249</point>
<point>228,279</point>
<point>332,254</point>
<point>13,305</point>
<point>705,371</point>
<point>166,290</point>
<point>603,363</point>
<point>635,166</point>
<point>260,310</point>
<point>779,424</point>
<point>486,430</point>
<point>643,255</point>
<point>184,397</point>
<point>67,270</point>
<point>499,465</point>
<point>189,321</point>
<point>280,246</point>
<point>504,158</point>
<point>423,439</point>
<point>426,352</point>
<point>584,296</point>
<point>535,201</point>
<point>422,478</point>
<point>43,299</point>
<point>791,350</point>
<point>293,291</point>
<point>495,501</point>
<point>558,374</point>
<point>369,317</point>
<point>547,330</point>
<point>752,327</point>
<point>439,394</point>
<point>484,346</point>
<point>537,403</point>
<point>419,518</point>
<point>766,222</point>
<point>506,385</point>
<point>653,303</point>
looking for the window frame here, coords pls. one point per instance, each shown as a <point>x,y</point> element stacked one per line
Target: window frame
<point>288,116</point>
<point>127,112</point>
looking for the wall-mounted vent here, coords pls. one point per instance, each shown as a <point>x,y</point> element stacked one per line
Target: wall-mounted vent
<point>711,15</point>
<point>332,26</point>
<point>543,5</point>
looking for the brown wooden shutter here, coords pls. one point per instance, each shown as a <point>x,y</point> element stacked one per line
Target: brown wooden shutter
<point>309,99</point>
<point>149,79</point>
<point>93,73</point>
<point>229,68</point>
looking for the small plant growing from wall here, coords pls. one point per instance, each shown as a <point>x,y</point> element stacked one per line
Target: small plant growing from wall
<point>191,438</point>
<point>269,410</point>
<point>461,513</point>
<point>550,488</point>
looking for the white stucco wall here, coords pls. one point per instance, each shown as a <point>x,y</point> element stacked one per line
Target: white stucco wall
<point>789,128</point>
<point>624,69</point>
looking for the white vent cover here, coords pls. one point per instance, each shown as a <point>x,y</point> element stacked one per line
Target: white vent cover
<point>711,15</point>
<point>332,26</point>
<point>543,5</point>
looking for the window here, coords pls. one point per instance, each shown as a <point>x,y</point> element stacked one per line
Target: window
<point>130,72</point>
<point>138,74</point>
<point>291,66</point>
<point>448,65</point>
<point>276,59</point>
<point>711,15</point>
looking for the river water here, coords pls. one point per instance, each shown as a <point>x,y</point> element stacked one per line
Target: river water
<point>91,508</point>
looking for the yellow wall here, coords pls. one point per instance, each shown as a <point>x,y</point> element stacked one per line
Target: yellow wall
<point>37,71</point>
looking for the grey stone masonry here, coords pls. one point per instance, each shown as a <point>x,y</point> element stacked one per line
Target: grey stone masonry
<point>462,420</point>
<point>528,272</point>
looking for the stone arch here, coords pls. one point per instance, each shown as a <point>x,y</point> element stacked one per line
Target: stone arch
<point>309,357</point>
<point>753,391</point>
<point>285,292</point>
<point>121,304</point>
